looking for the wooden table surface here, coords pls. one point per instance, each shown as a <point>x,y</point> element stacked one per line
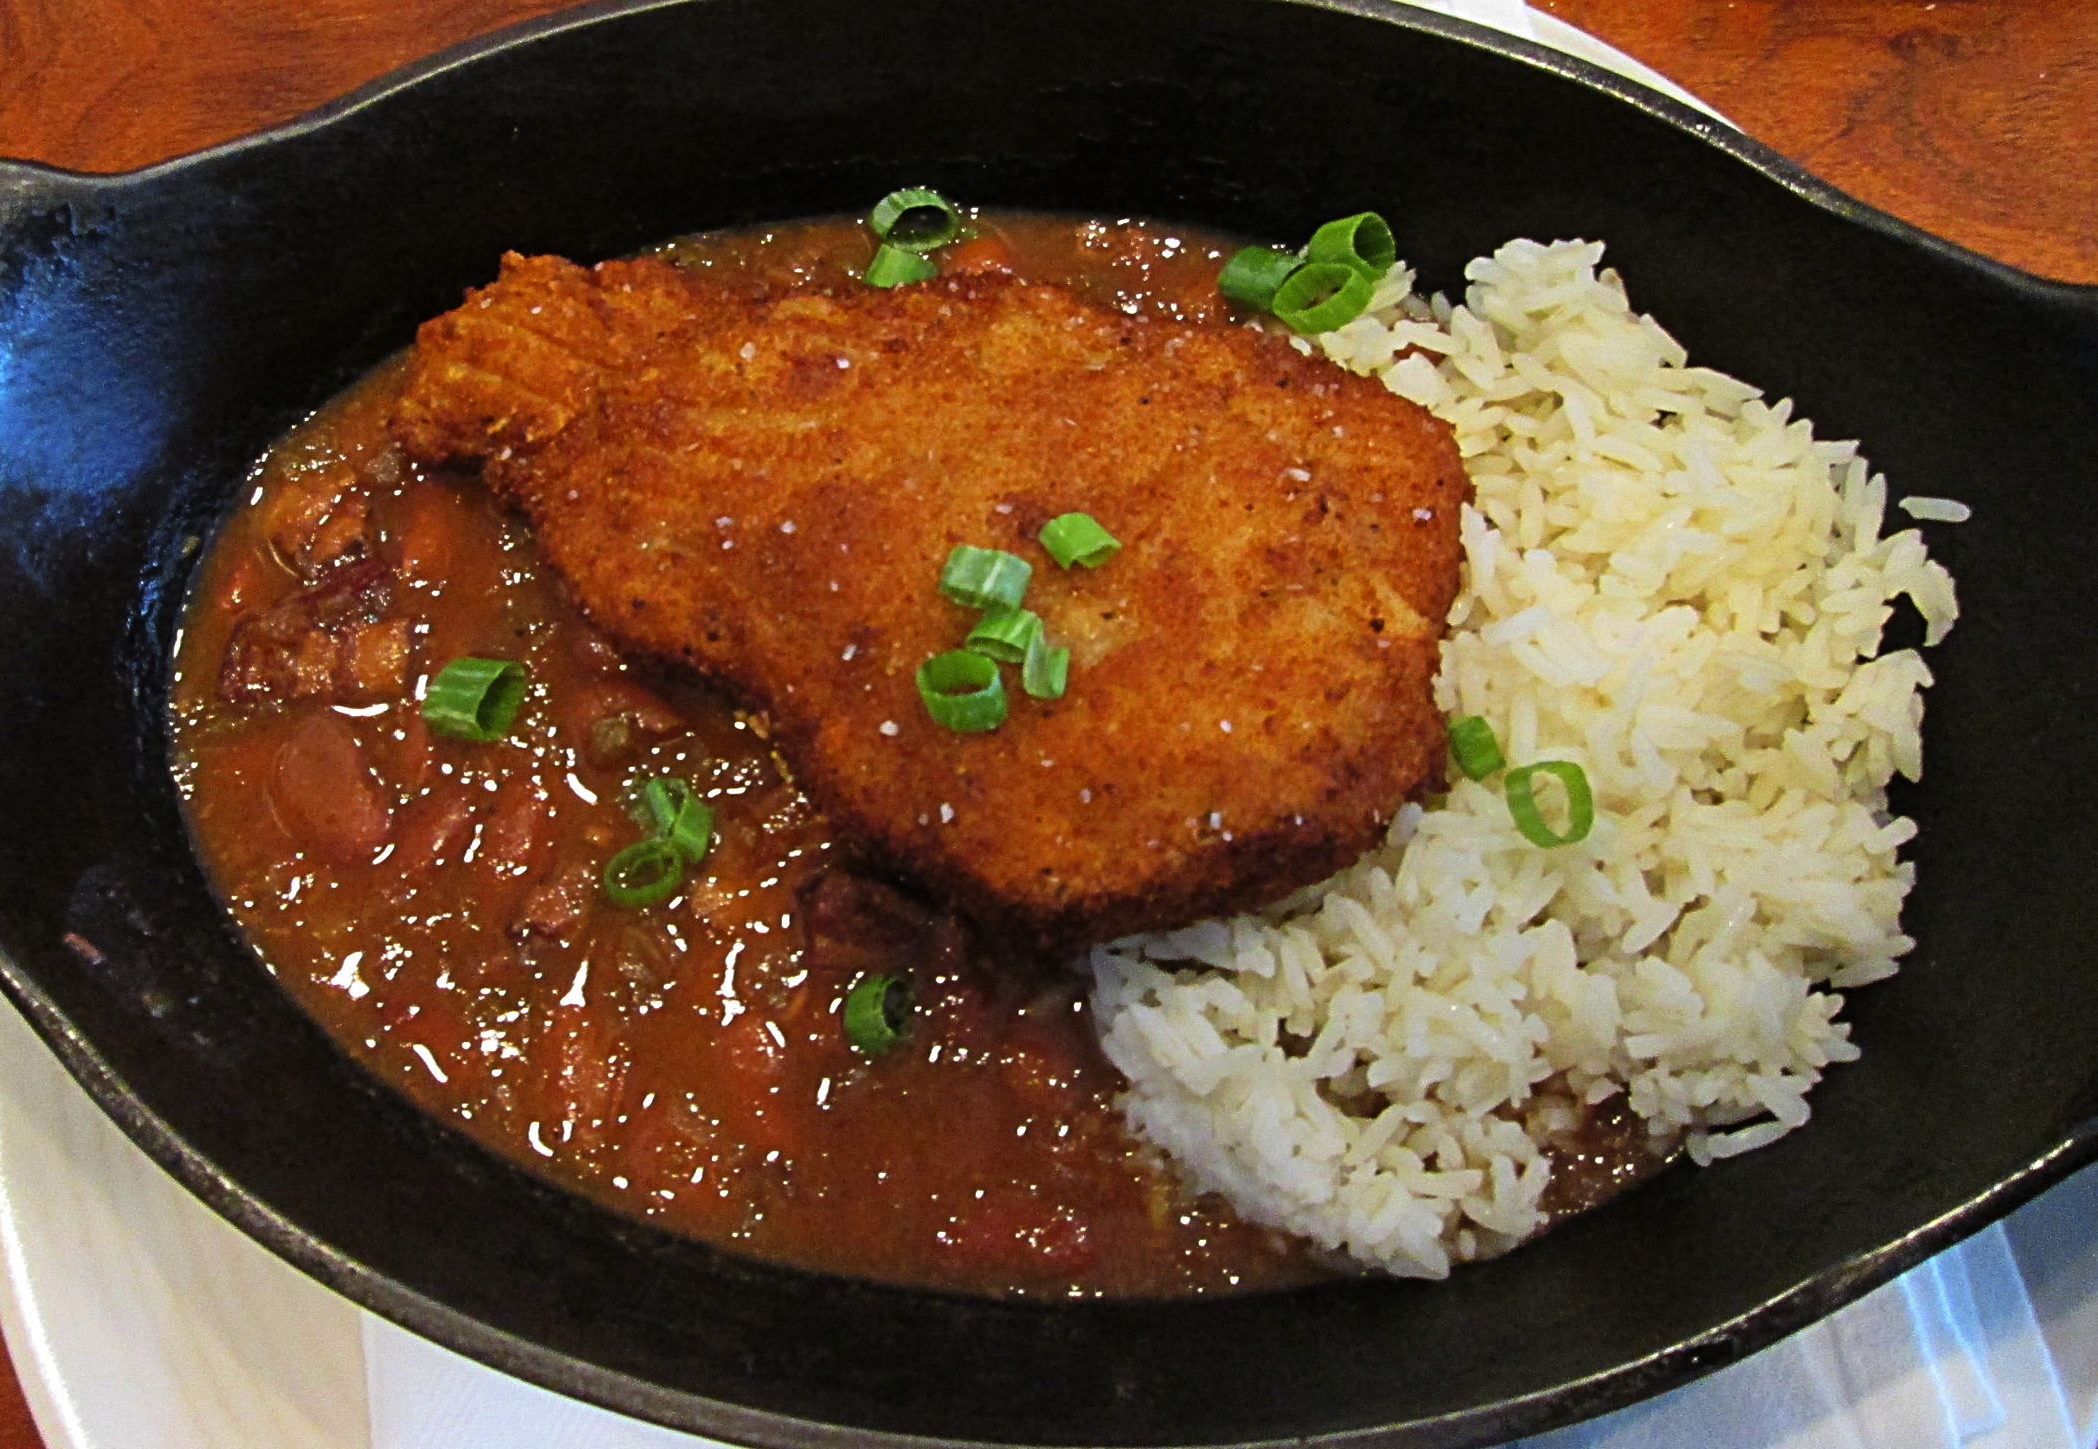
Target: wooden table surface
<point>1975,119</point>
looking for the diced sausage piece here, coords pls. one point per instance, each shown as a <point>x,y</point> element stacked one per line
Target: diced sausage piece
<point>556,908</point>
<point>852,924</point>
<point>344,534</point>
<point>514,836</point>
<point>378,660</point>
<point>313,662</point>
<point>316,524</point>
<point>357,592</point>
<point>307,647</point>
<point>325,795</point>
<point>433,831</point>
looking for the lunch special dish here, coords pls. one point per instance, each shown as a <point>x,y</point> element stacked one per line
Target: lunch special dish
<point>1517,1004</point>
<point>174,324</point>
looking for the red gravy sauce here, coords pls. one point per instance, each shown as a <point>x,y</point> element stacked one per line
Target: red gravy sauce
<point>436,904</point>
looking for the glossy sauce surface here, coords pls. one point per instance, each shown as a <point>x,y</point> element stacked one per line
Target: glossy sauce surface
<point>436,904</point>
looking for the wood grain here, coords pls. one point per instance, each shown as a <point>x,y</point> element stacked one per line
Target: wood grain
<point>107,85</point>
<point>1974,119</point>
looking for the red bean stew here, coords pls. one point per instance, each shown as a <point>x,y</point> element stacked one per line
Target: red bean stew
<point>437,904</point>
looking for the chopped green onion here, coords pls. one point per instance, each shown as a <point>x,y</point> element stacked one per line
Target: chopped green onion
<point>661,799</point>
<point>1477,752</point>
<point>1078,538</point>
<point>1522,803</point>
<point>646,872</point>
<point>678,816</point>
<point>1045,670</point>
<point>474,699</point>
<point>1362,241</point>
<point>1252,276</point>
<point>1320,296</point>
<point>915,219</point>
<point>1005,634</point>
<point>897,267</point>
<point>692,832</point>
<point>877,1010</point>
<point>981,703</point>
<point>985,578</point>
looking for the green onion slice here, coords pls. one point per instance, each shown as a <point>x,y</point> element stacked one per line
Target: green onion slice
<point>915,220</point>
<point>692,832</point>
<point>962,691</point>
<point>877,1010</point>
<point>1078,538</point>
<point>646,872</point>
<point>1320,296</point>
<point>661,799</point>
<point>1006,635</point>
<point>896,267</point>
<point>1477,752</point>
<point>678,816</point>
<point>1252,276</point>
<point>474,699</point>
<point>1045,670</point>
<point>985,578</point>
<point>1362,241</point>
<point>1522,803</point>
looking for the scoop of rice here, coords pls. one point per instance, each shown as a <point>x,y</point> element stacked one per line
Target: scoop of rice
<point>1678,587</point>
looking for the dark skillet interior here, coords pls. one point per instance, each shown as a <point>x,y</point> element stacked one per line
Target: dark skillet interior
<point>158,330</point>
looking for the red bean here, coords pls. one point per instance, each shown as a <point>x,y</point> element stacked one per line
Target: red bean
<point>324,793</point>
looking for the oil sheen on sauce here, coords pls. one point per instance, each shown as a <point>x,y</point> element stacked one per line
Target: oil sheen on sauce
<point>435,904</point>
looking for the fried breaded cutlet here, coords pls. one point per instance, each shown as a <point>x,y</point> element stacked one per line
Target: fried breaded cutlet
<point>765,487</point>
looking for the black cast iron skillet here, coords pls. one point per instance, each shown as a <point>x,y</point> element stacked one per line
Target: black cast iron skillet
<point>159,329</point>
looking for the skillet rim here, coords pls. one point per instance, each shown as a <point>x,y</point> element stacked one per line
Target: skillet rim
<point>1713,131</point>
<point>27,185</point>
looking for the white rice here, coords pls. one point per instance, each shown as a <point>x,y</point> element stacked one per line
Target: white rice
<point>1678,587</point>
<point>1936,510</point>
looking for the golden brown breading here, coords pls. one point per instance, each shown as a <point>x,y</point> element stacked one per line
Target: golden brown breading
<point>766,488</point>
